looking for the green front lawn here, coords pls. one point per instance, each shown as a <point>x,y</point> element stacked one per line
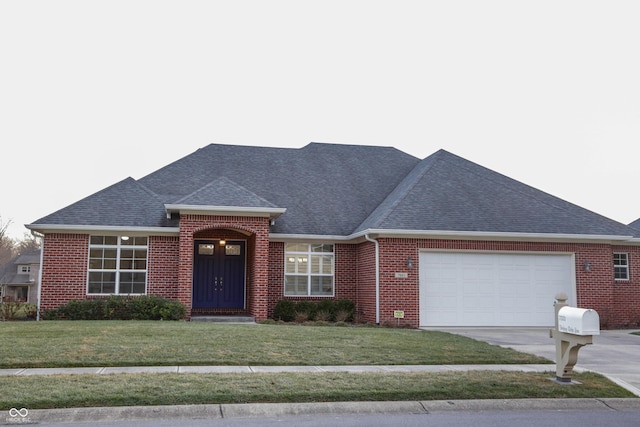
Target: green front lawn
<point>131,343</point>
<point>148,343</point>
<point>64,391</point>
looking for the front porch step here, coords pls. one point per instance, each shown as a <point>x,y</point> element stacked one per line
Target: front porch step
<point>223,318</point>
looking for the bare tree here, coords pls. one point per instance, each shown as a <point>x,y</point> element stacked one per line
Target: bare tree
<point>28,243</point>
<point>7,245</point>
<point>9,248</point>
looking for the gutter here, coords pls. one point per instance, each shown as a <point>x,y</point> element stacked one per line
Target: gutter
<point>377,244</point>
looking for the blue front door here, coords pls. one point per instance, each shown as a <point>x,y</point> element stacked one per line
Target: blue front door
<point>219,274</point>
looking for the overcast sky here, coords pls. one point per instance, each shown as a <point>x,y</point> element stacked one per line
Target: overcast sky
<point>91,92</point>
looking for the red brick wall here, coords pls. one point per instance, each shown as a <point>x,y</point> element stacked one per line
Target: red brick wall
<point>617,302</point>
<point>366,282</point>
<point>199,226</point>
<point>162,268</point>
<point>65,256</point>
<point>345,275</point>
<point>64,272</point>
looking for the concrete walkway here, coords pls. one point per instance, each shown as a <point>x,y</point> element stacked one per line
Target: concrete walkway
<point>270,369</point>
<point>614,354</point>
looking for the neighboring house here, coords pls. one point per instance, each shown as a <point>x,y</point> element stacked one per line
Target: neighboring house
<point>19,278</point>
<point>234,229</point>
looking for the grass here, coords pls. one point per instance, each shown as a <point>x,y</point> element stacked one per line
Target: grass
<point>124,343</point>
<point>131,343</point>
<point>190,389</point>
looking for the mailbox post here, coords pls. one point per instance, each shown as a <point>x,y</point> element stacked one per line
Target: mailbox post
<point>574,329</point>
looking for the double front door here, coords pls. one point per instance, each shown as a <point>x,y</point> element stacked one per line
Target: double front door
<point>219,274</point>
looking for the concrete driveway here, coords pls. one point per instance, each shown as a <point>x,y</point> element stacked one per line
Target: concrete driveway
<point>615,354</point>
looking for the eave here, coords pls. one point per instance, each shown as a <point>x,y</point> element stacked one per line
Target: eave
<point>102,229</point>
<point>224,210</point>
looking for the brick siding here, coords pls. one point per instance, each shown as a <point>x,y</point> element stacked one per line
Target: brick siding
<point>170,270</point>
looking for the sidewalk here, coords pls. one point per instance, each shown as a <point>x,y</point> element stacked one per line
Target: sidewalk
<point>270,410</point>
<point>270,369</point>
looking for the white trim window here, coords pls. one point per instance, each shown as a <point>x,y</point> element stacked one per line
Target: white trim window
<point>117,265</point>
<point>308,269</point>
<point>621,266</point>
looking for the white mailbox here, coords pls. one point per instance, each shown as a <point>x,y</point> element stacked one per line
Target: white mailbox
<point>578,321</point>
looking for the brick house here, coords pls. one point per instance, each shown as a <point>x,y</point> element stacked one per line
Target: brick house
<point>234,229</point>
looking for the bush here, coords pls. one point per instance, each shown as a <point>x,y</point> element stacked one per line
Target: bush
<point>307,308</point>
<point>347,308</point>
<point>31,311</point>
<point>325,310</point>
<point>146,307</point>
<point>8,310</point>
<point>285,310</point>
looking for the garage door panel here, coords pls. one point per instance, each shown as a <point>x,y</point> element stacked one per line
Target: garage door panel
<point>492,289</point>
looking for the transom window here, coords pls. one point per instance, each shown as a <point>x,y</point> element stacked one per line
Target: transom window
<point>117,265</point>
<point>308,269</point>
<point>621,266</point>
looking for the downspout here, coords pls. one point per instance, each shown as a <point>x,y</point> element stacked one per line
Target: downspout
<point>377,244</point>
<point>40,267</point>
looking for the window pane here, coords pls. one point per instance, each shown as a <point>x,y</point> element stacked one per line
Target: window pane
<point>206,249</point>
<point>302,264</point>
<point>290,264</point>
<point>97,240</point>
<point>111,240</point>
<point>132,283</point>
<point>295,285</point>
<point>102,282</point>
<point>321,248</point>
<point>321,285</point>
<point>140,241</point>
<point>140,264</point>
<point>296,247</point>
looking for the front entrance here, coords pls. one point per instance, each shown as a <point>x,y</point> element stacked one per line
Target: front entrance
<point>219,274</point>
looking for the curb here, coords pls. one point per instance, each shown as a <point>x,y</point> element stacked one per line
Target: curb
<point>220,411</point>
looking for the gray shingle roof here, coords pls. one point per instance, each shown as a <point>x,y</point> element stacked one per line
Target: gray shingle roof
<point>447,192</point>
<point>224,192</point>
<point>330,189</point>
<point>126,203</point>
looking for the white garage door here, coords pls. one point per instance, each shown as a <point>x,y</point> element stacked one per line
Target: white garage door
<point>492,289</point>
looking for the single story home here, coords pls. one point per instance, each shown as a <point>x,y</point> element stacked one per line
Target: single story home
<point>435,242</point>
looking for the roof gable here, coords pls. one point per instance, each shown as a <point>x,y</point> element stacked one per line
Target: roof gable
<point>224,192</point>
<point>447,192</point>
<point>125,204</point>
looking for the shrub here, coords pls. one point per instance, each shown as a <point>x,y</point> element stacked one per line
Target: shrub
<point>8,310</point>
<point>301,317</point>
<point>328,307</point>
<point>323,311</point>
<point>348,307</point>
<point>323,316</point>
<point>309,308</point>
<point>117,308</point>
<point>146,307</point>
<point>31,311</point>
<point>285,310</point>
<point>83,310</point>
